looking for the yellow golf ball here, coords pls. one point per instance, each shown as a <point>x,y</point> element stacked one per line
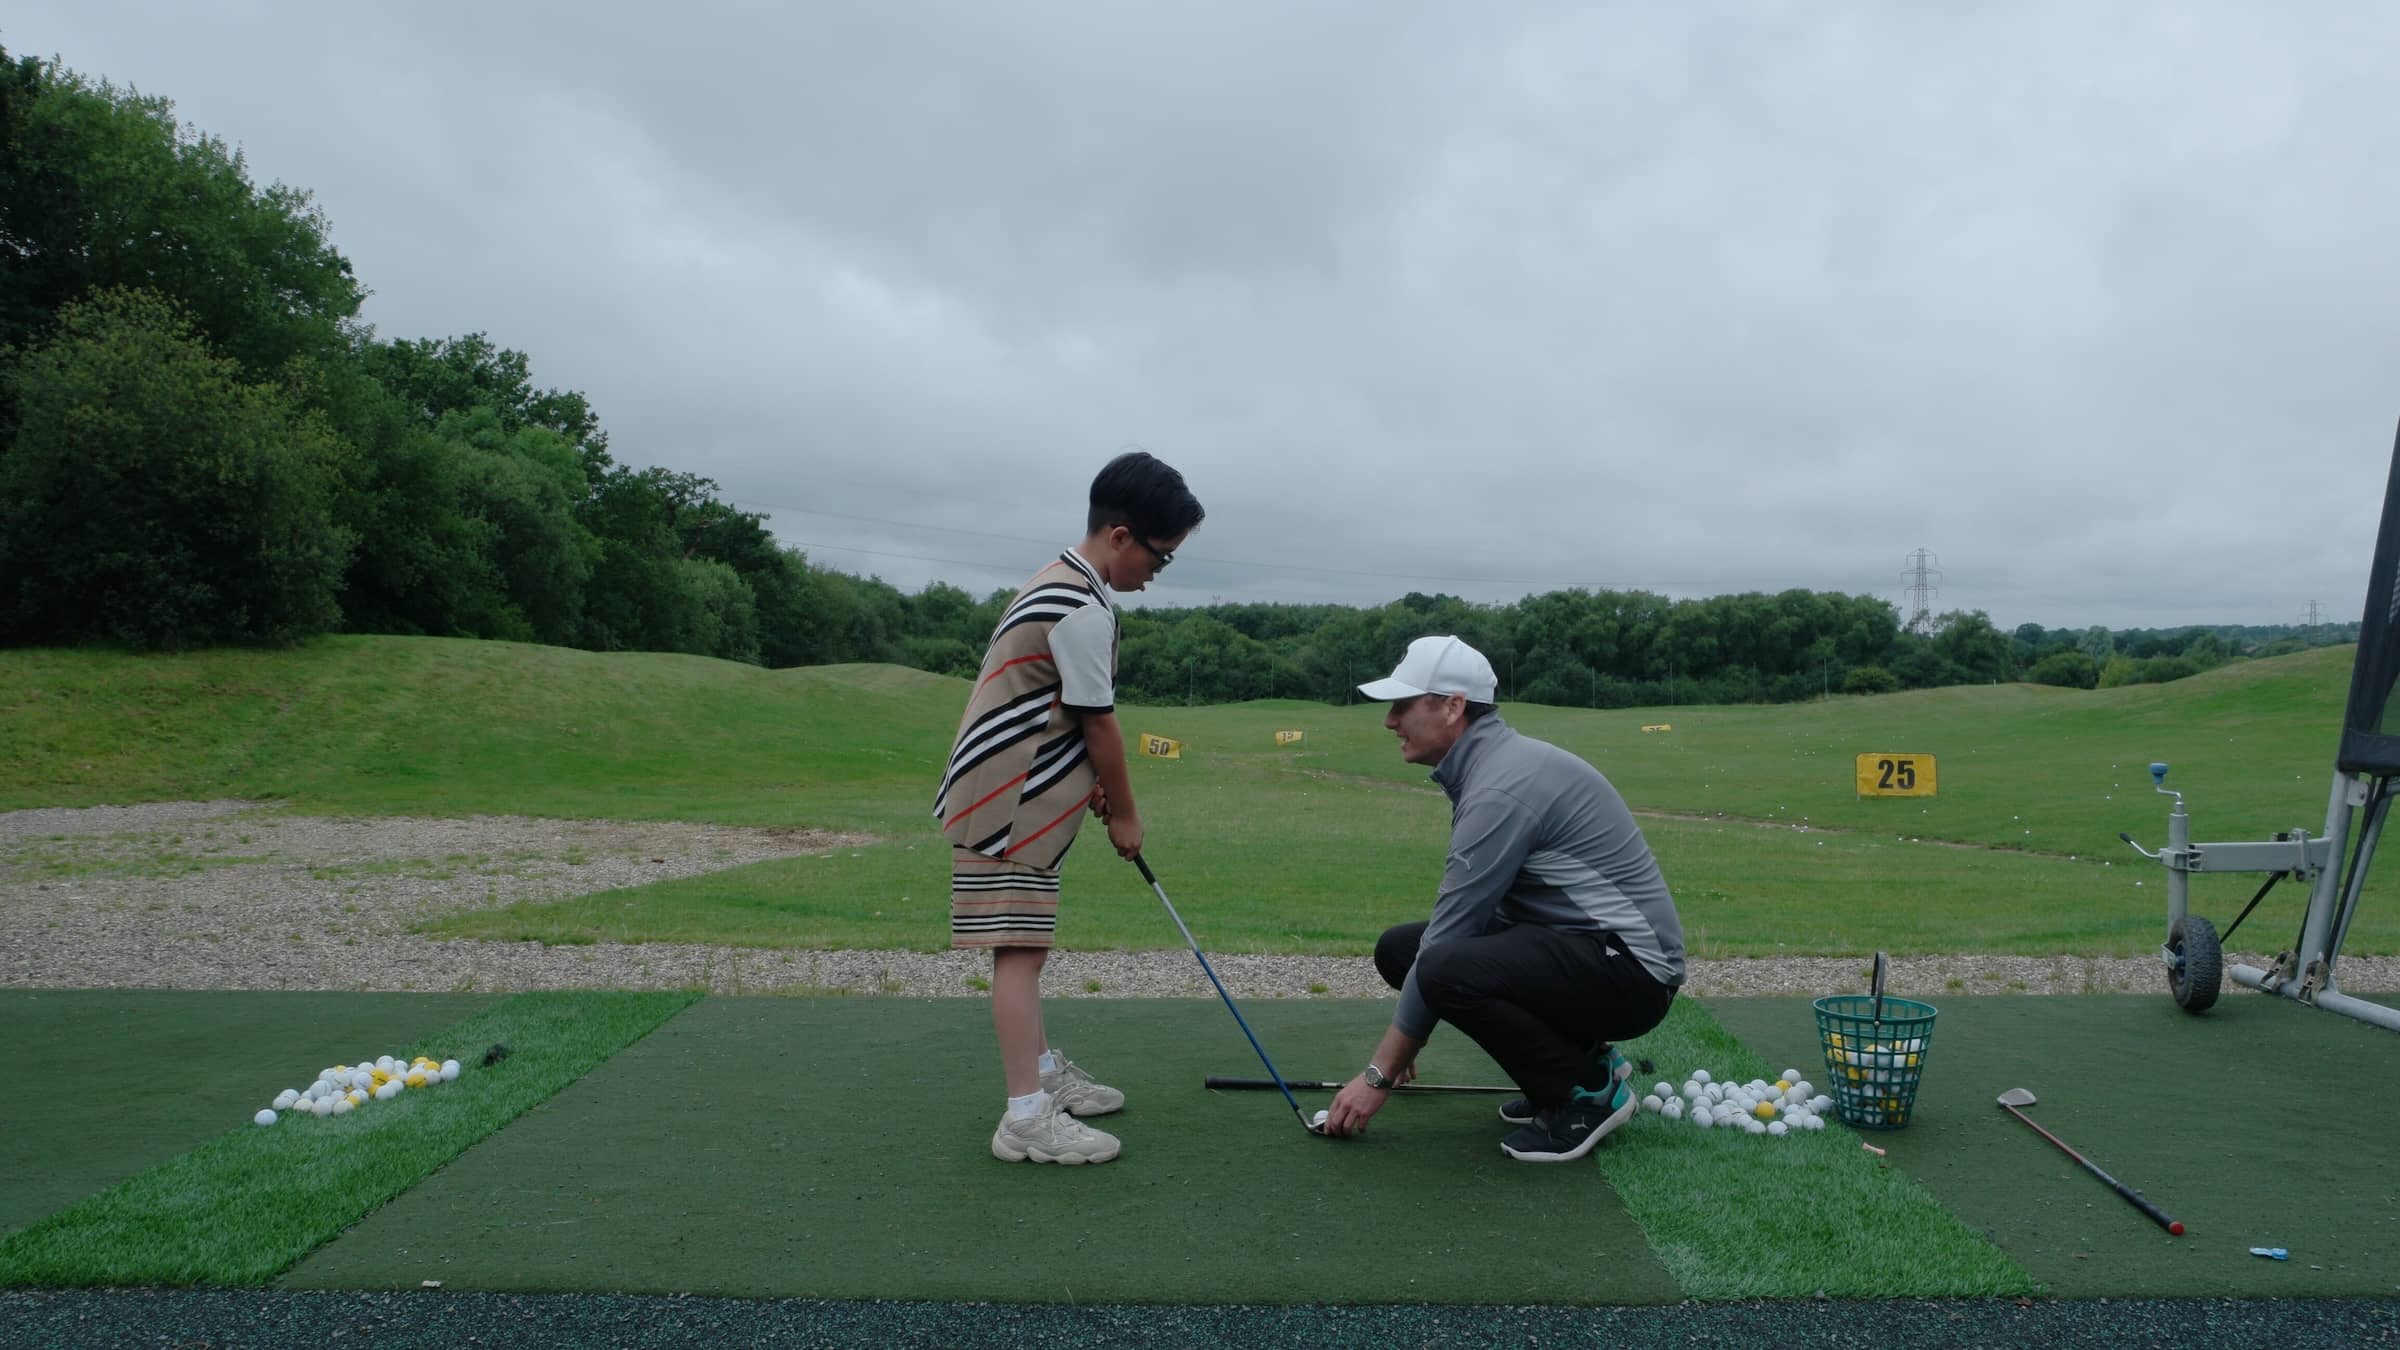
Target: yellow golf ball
<point>1764,1110</point>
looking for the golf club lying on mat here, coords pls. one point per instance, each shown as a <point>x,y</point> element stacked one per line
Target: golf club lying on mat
<point>1214,1081</point>
<point>1313,1127</point>
<point>2016,1097</point>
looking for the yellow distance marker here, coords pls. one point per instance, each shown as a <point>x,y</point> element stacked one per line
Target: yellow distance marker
<point>1888,774</point>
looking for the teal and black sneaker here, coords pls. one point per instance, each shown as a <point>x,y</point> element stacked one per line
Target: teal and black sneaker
<point>1518,1111</point>
<point>1564,1133</point>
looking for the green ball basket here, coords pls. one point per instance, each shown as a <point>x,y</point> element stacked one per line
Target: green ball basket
<point>1874,1063</point>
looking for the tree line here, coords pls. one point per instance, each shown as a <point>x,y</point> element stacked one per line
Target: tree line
<point>200,443</point>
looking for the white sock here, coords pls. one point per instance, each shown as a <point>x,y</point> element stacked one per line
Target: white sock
<point>1028,1106</point>
<point>1050,1061</point>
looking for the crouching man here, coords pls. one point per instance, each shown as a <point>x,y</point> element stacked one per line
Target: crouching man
<point>1553,936</point>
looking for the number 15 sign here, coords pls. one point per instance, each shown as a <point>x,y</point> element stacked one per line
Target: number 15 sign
<point>1895,775</point>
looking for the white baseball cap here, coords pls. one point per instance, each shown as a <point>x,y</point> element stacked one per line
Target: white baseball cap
<point>1437,665</point>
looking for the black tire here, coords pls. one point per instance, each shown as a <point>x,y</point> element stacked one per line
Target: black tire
<point>2199,975</point>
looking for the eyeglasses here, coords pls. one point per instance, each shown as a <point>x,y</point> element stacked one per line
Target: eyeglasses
<point>1164,558</point>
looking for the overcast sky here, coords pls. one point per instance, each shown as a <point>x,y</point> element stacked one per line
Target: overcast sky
<point>2099,303</point>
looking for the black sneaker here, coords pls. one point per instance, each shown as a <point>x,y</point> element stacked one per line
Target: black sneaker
<point>1568,1132</point>
<point>1519,1111</point>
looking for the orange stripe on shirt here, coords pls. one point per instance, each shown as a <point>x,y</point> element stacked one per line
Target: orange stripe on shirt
<point>987,797</point>
<point>1037,656</point>
<point>1070,815</point>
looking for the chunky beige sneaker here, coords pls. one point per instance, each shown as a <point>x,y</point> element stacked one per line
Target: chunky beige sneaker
<point>1051,1137</point>
<point>1077,1094</point>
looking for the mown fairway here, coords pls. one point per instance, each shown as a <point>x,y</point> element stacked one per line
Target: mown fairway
<point>1311,848</point>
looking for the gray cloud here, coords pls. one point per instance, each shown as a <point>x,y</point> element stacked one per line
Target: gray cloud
<point>2094,301</point>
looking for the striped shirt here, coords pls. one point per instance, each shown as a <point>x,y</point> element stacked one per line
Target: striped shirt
<point>1020,774</point>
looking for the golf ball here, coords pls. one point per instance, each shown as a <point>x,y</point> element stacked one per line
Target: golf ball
<point>1700,1076</point>
<point>1653,1103</point>
<point>263,1118</point>
<point>1661,1090</point>
<point>1777,1127</point>
<point>449,1070</point>
<point>1318,1120</point>
<point>285,1098</point>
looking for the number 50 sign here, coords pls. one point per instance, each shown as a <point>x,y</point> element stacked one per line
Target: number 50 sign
<point>1895,775</point>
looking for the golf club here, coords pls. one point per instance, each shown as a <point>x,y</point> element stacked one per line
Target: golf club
<point>1215,1081</point>
<point>1881,967</point>
<point>1147,875</point>
<point>2016,1097</point>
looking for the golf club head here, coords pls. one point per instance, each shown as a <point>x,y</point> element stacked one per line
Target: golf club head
<point>2016,1097</point>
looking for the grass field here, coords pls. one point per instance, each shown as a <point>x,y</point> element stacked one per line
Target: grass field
<point>725,1151</point>
<point>1753,810</point>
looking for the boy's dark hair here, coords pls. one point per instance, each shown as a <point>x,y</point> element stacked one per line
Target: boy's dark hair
<point>1145,494</point>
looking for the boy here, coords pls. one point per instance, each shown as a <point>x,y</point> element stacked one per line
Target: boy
<point>1038,744</point>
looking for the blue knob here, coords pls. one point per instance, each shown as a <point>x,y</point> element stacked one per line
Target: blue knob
<point>2158,773</point>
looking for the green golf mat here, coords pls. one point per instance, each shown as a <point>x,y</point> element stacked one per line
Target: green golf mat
<point>839,1148</point>
<point>106,1082</point>
<point>2260,1124</point>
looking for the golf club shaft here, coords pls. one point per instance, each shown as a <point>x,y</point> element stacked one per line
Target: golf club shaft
<point>1214,1081</point>
<point>2132,1197</point>
<point>1205,969</point>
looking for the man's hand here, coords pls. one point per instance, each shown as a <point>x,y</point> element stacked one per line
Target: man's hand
<point>1356,1103</point>
<point>1125,834</point>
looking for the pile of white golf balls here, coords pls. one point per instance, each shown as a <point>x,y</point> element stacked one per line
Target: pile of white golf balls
<point>1781,1107</point>
<point>345,1087</point>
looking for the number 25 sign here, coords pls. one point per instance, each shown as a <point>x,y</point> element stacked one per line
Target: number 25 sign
<point>1895,775</point>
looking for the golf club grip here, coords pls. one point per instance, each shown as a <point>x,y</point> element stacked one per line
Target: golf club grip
<point>2133,1197</point>
<point>1147,874</point>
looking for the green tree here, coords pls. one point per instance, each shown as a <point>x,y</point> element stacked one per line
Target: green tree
<point>436,377</point>
<point>2097,643</point>
<point>1969,644</point>
<point>1870,680</point>
<point>102,187</point>
<point>152,497</point>
<point>522,486</point>
<point>2067,669</point>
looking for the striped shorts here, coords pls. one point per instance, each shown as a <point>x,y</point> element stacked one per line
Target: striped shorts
<point>1000,904</point>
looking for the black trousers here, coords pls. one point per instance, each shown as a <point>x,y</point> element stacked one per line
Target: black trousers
<point>1543,1003</point>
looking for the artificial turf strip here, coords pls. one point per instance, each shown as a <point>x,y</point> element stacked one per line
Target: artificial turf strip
<point>2261,1124</point>
<point>252,1201</point>
<point>1735,1215</point>
<point>839,1147</point>
<point>105,1082</point>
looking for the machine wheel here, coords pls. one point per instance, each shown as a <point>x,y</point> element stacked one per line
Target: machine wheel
<point>2199,973</point>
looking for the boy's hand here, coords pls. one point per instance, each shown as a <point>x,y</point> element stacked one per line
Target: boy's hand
<point>1100,801</point>
<point>1125,834</point>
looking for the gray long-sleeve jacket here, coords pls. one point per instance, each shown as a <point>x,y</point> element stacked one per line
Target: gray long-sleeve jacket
<point>1539,836</point>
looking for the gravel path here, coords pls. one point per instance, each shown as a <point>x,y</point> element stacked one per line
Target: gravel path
<point>240,895</point>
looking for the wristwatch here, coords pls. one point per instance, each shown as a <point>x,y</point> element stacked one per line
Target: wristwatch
<point>1377,1079</point>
